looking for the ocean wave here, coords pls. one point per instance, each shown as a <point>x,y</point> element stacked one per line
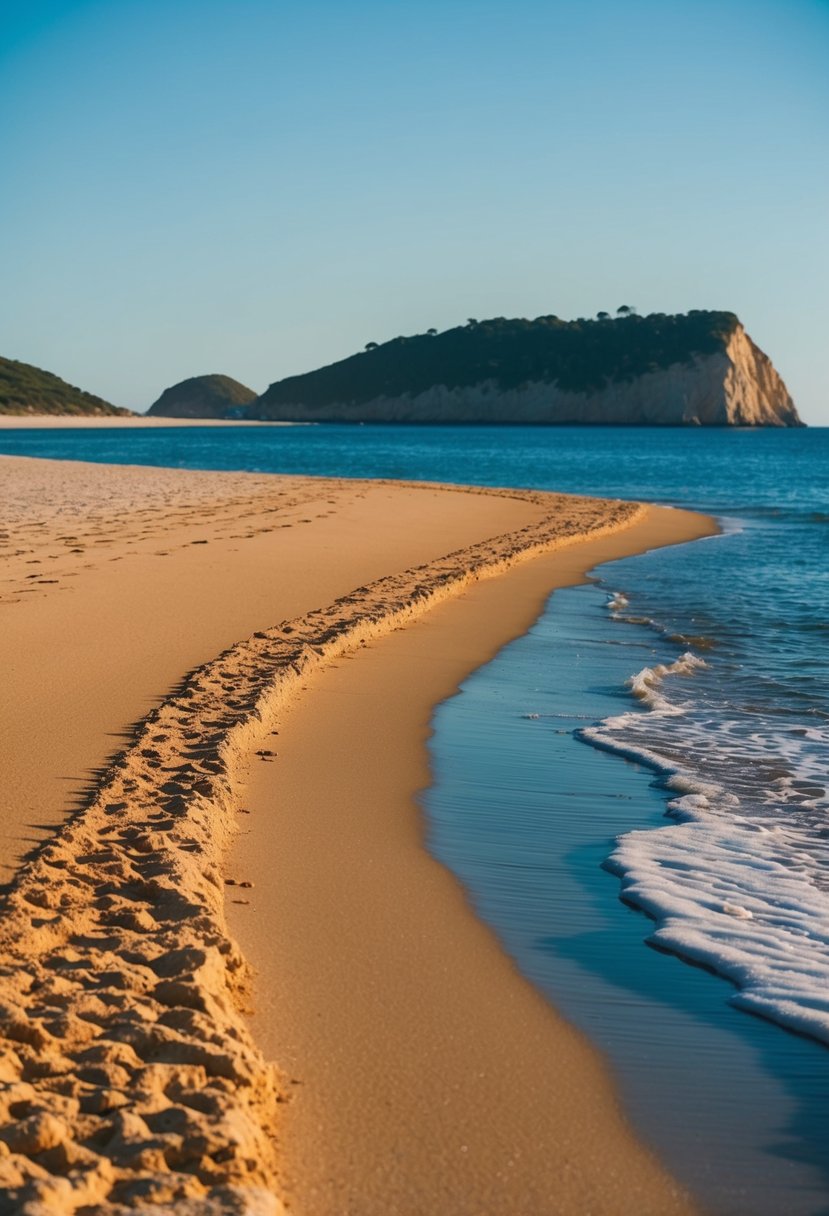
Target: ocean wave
<point>739,881</point>
<point>646,684</point>
<point>617,603</point>
<point>752,914</point>
<point>699,640</point>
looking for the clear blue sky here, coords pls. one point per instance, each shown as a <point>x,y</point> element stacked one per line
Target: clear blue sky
<point>258,187</point>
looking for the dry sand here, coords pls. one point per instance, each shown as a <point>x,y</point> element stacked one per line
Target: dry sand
<point>130,1073</point>
<point>80,422</point>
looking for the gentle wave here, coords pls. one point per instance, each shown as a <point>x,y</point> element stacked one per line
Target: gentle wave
<point>738,897</point>
<point>646,684</point>
<point>713,868</point>
<point>739,882</point>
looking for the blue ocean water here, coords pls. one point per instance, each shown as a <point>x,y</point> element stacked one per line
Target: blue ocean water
<point>526,815</point>
<point>703,666</point>
<point>732,706</point>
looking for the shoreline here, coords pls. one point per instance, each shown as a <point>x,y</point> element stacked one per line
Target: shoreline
<point>738,1114</point>
<point>80,422</point>
<point>144,857</point>
<point>475,1125</point>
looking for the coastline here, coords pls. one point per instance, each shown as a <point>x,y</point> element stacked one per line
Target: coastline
<point>439,1079</point>
<point>420,526</point>
<point>63,422</point>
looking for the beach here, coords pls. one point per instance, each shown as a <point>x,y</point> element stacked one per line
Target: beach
<point>174,621</point>
<point>118,422</point>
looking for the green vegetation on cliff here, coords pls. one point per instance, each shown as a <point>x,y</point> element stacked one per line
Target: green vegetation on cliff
<point>579,356</point>
<point>29,390</point>
<point>211,396</point>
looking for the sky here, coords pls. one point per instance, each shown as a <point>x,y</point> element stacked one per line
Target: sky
<point>259,187</point>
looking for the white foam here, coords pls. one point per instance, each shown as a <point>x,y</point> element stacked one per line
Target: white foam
<point>645,685</point>
<point>752,917</point>
<point>744,891</point>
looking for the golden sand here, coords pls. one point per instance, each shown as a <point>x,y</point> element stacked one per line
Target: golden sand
<point>130,1073</point>
<point>429,1075</point>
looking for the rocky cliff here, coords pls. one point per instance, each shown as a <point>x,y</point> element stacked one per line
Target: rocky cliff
<point>212,396</point>
<point>696,370</point>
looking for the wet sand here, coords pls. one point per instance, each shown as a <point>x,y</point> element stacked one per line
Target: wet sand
<point>436,1079</point>
<point>129,1063</point>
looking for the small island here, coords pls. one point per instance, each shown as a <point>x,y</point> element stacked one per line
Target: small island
<point>694,369</point>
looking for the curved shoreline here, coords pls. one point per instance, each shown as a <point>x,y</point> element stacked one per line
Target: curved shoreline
<point>106,1045</point>
<point>395,1009</point>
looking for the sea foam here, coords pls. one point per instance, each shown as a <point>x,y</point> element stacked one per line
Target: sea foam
<point>739,882</point>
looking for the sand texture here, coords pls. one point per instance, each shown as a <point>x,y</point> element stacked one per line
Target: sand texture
<point>115,582</point>
<point>428,1076</point>
<point>63,422</point>
<point>130,1079</point>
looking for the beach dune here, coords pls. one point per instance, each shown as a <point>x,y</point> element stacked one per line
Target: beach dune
<point>158,627</point>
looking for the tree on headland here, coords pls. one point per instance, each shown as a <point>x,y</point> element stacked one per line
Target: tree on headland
<point>603,316</point>
<point>431,332</point>
<point>471,321</point>
<point>579,356</point>
<point>625,310</point>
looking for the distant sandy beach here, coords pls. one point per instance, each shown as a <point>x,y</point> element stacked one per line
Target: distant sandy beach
<point>75,422</point>
<point>229,679</point>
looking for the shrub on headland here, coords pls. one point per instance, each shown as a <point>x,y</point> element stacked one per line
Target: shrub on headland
<point>579,356</point>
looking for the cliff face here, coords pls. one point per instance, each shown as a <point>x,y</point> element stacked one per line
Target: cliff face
<point>754,394</point>
<point>212,396</point>
<point>734,386</point>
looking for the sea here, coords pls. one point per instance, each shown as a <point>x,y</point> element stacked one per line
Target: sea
<point>635,793</point>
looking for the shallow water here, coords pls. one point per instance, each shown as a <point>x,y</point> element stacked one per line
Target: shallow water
<point>526,814</point>
<point>529,809</point>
